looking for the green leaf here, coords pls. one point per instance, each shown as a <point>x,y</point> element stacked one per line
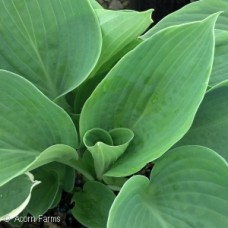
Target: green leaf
<point>85,166</point>
<point>54,44</point>
<point>155,91</point>
<point>114,183</point>
<point>15,162</point>
<point>92,205</point>
<point>198,11</point>
<point>54,178</point>
<point>106,147</point>
<point>16,223</point>
<point>57,199</point>
<point>95,4</point>
<point>15,195</point>
<point>220,68</point>
<point>44,194</point>
<point>119,29</point>
<point>193,12</point>
<point>66,175</point>
<point>210,126</point>
<point>30,126</point>
<point>188,188</point>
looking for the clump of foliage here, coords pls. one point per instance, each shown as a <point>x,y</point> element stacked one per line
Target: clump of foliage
<point>82,92</point>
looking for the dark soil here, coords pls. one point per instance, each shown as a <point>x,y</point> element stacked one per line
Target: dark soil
<point>161,7</point>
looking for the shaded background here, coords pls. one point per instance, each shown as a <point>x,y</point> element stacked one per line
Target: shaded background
<point>162,7</point>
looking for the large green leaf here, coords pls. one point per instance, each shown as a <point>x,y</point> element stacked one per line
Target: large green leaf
<point>192,12</point>
<point>92,204</point>
<point>210,126</point>
<point>155,91</point>
<point>220,68</point>
<point>188,188</point>
<point>54,44</point>
<point>15,195</point>
<point>198,11</point>
<point>30,126</point>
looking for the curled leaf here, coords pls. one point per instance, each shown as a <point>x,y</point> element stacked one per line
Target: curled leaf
<point>106,147</point>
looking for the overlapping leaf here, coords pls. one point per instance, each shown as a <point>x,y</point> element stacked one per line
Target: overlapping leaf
<point>44,194</point>
<point>120,32</point>
<point>197,11</point>
<point>220,68</point>
<point>154,92</point>
<point>192,12</point>
<point>30,126</point>
<point>210,126</point>
<point>92,204</point>
<point>54,44</point>
<point>188,188</point>
<point>15,195</point>
<point>55,178</point>
<point>119,29</point>
<point>106,147</point>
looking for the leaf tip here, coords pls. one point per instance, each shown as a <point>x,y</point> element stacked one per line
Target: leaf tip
<point>211,19</point>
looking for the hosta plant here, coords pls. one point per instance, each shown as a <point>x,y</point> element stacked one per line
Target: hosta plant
<point>87,95</point>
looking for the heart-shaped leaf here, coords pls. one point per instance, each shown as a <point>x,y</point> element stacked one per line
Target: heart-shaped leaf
<point>92,204</point>
<point>158,99</point>
<point>210,126</point>
<point>188,188</point>
<point>15,195</point>
<point>30,126</point>
<point>54,44</point>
